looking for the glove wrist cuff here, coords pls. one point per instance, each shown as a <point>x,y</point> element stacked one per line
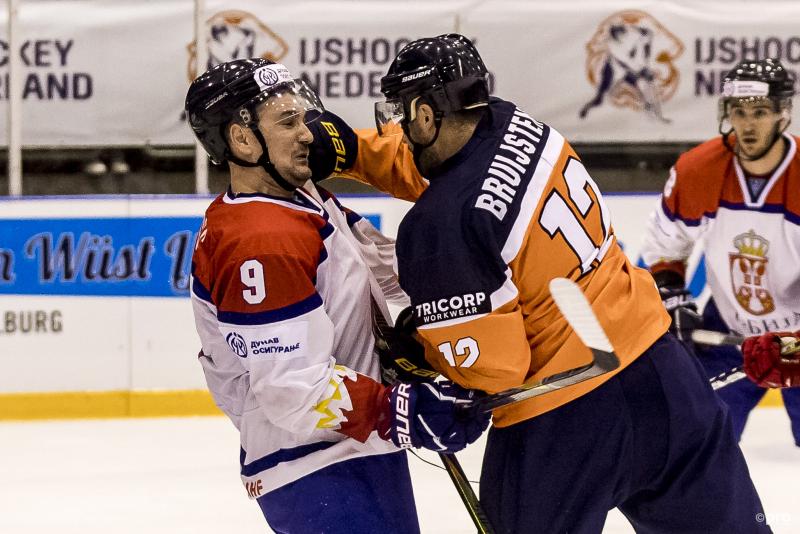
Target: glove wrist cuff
<point>383,424</point>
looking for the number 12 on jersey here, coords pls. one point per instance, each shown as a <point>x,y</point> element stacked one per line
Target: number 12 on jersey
<point>558,217</point>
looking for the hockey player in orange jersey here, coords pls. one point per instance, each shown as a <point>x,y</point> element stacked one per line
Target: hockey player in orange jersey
<point>285,285</point>
<point>739,194</point>
<point>504,207</point>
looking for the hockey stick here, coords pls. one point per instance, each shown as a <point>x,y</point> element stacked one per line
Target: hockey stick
<point>465,491</point>
<point>789,345</point>
<point>451,465</point>
<point>712,338</point>
<point>578,312</point>
<point>715,339</point>
<point>727,377</point>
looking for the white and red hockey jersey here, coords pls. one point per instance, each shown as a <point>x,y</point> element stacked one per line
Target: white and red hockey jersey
<point>282,292</point>
<point>750,234</point>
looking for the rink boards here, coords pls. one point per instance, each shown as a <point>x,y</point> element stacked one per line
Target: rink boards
<point>95,319</point>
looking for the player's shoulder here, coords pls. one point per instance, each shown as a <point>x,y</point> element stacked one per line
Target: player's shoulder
<point>522,137</point>
<point>265,223</point>
<point>793,166</point>
<point>514,168</point>
<point>508,119</point>
<point>697,181</point>
<point>794,148</point>
<point>709,157</point>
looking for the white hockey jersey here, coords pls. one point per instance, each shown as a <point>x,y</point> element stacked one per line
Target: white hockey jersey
<point>282,292</point>
<point>751,235</point>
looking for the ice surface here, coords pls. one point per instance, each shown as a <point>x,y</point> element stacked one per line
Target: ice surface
<point>129,476</point>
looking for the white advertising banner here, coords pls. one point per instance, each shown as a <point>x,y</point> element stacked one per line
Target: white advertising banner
<point>99,72</point>
<point>115,72</point>
<point>94,292</point>
<point>625,70</point>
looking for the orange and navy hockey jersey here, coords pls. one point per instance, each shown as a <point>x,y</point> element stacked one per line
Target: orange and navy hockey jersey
<point>513,209</point>
<point>282,291</point>
<point>750,229</point>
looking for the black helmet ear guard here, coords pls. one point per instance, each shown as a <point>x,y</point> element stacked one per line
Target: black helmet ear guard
<point>232,92</point>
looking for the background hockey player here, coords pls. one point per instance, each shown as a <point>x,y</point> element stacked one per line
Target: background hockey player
<point>509,207</point>
<point>285,283</point>
<point>740,194</point>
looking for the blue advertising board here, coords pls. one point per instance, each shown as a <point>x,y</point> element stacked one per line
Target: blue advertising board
<point>130,256</point>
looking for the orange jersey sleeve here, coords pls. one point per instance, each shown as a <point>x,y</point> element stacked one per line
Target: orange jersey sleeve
<point>386,163</point>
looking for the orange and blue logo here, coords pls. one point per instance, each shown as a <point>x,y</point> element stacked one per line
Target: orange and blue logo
<point>234,35</point>
<point>631,62</point>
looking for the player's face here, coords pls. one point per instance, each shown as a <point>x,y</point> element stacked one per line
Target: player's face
<point>281,121</point>
<point>754,124</point>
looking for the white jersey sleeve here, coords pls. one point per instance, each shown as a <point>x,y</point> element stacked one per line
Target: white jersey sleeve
<point>669,239</point>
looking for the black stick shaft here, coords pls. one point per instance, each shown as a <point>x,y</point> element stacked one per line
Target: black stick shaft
<point>466,493</point>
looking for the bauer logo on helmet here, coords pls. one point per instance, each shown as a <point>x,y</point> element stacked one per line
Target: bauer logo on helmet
<point>216,99</point>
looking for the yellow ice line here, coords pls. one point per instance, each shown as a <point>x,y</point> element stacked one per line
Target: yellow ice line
<point>106,404</point>
<point>142,403</point>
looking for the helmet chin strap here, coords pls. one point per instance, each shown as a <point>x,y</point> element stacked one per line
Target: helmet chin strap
<point>418,148</point>
<point>264,162</point>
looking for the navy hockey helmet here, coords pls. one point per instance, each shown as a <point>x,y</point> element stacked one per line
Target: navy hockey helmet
<point>231,92</point>
<point>752,81</point>
<point>446,71</point>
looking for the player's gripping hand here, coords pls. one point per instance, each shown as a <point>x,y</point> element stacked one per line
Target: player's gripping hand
<point>679,304</point>
<point>334,148</point>
<point>773,360</point>
<point>681,307</point>
<point>430,415</point>
<point>401,355</point>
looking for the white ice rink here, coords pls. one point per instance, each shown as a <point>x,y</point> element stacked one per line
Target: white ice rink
<point>175,476</point>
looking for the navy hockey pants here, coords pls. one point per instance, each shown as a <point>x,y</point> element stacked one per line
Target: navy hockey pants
<point>653,441</point>
<point>741,396</point>
<point>364,495</point>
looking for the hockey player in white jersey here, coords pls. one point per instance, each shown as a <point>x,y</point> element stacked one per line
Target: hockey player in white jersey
<point>738,194</point>
<point>286,285</point>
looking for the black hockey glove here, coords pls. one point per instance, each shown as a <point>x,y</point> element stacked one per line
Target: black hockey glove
<point>430,415</point>
<point>334,148</point>
<point>679,304</point>
<point>402,357</point>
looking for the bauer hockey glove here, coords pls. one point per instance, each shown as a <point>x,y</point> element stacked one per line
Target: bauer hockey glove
<point>773,360</point>
<point>401,355</point>
<point>431,415</point>
<point>334,148</point>
<point>679,304</point>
